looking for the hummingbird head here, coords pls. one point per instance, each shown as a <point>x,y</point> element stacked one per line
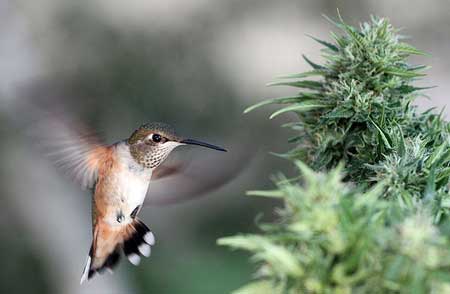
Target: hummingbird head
<point>151,143</point>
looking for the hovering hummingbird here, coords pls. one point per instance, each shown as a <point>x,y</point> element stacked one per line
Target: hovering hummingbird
<point>119,176</point>
<point>124,174</point>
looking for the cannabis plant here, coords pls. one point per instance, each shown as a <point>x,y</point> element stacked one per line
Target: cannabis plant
<point>378,223</point>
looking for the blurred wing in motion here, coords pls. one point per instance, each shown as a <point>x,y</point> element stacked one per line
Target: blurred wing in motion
<point>76,153</point>
<point>68,146</point>
<point>181,181</point>
<point>52,131</point>
<point>168,169</point>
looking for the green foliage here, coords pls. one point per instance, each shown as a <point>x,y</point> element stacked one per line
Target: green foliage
<point>335,239</point>
<point>384,227</point>
<point>359,111</point>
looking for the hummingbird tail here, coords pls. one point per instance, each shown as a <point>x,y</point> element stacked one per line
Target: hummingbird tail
<point>134,239</point>
<point>137,241</point>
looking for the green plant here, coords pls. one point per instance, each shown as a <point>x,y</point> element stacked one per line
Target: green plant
<point>384,227</point>
<point>331,238</point>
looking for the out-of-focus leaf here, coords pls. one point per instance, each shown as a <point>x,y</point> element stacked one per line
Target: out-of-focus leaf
<point>384,136</point>
<point>330,46</point>
<point>403,73</point>
<point>259,287</point>
<point>305,74</point>
<point>406,48</point>
<point>279,100</point>
<point>313,65</point>
<point>314,85</point>
<point>266,193</point>
<point>298,108</point>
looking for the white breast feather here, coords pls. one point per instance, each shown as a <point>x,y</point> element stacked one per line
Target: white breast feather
<point>133,178</point>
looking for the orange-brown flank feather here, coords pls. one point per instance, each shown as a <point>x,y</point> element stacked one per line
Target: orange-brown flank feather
<point>105,160</point>
<point>105,236</point>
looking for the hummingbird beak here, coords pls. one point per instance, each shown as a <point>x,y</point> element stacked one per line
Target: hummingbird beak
<point>200,143</point>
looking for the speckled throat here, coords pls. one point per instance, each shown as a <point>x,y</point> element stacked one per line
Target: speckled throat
<point>149,156</point>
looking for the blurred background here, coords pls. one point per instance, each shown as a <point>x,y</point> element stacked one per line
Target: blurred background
<point>195,64</point>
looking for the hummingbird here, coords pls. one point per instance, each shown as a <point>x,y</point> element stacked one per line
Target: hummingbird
<point>125,176</point>
<point>119,176</point>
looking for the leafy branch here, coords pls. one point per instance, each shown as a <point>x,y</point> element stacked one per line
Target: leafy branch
<point>378,221</point>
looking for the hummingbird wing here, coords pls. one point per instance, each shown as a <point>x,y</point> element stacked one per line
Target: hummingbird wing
<point>51,129</point>
<point>168,169</point>
<point>70,147</point>
<point>179,181</point>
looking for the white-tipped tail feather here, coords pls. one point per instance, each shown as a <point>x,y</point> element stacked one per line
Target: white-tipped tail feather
<point>134,258</point>
<point>134,239</point>
<point>149,238</point>
<point>145,249</point>
<point>84,276</point>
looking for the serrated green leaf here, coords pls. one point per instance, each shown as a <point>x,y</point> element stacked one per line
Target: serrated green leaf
<point>406,48</point>
<point>444,174</point>
<point>333,22</point>
<point>339,113</point>
<point>403,73</point>
<point>313,85</point>
<point>419,67</point>
<point>266,193</point>
<point>279,100</point>
<point>247,242</point>
<point>314,65</point>
<point>355,35</point>
<point>259,287</point>
<point>401,143</point>
<point>445,157</point>
<point>298,108</point>
<point>306,74</point>
<point>437,153</point>
<point>305,170</point>
<point>294,139</point>
<point>406,89</point>
<point>325,43</point>
<point>383,135</point>
<point>430,189</point>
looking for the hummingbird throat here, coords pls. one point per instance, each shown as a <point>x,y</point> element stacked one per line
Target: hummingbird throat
<point>150,156</point>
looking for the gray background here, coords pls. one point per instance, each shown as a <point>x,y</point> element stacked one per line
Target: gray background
<point>193,63</point>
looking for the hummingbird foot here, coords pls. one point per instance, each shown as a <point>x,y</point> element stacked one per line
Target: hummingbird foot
<point>120,217</point>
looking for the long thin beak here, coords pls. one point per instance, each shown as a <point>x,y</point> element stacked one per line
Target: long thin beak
<point>200,143</point>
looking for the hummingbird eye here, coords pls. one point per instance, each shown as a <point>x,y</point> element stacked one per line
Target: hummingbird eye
<point>156,138</point>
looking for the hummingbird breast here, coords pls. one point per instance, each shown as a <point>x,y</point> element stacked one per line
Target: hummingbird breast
<point>121,187</point>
